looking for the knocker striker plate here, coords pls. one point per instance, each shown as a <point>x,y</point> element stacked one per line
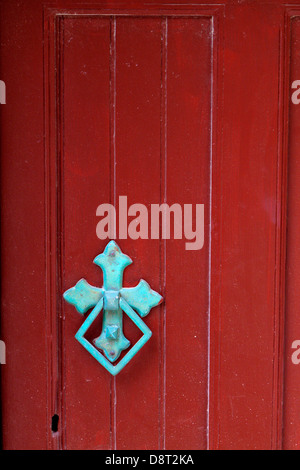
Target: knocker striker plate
<point>114,300</point>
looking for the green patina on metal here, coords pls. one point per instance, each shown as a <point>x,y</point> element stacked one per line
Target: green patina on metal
<point>113,299</point>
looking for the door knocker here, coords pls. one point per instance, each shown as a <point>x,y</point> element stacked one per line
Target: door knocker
<point>114,300</point>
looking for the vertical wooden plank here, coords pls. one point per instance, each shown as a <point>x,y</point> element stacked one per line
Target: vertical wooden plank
<point>138,128</point>
<point>187,155</point>
<point>291,434</point>
<point>248,327</point>
<point>24,376</point>
<point>86,174</point>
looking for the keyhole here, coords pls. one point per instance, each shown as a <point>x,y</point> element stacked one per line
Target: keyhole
<point>54,423</point>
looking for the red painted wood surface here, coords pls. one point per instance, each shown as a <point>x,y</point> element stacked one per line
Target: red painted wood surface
<point>292,371</point>
<point>161,103</point>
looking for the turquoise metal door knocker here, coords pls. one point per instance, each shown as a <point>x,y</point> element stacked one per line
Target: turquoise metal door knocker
<point>113,299</point>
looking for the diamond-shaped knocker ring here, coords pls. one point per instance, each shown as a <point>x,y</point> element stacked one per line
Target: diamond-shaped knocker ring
<point>113,299</point>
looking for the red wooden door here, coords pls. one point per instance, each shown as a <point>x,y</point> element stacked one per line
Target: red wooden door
<point>161,103</point>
